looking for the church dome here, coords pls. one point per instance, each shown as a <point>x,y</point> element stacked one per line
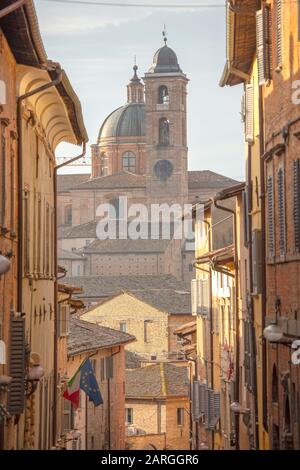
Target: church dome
<point>165,61</point>
<point>126,121</point>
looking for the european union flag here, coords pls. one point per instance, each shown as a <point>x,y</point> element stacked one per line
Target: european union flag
<point>89,384</point>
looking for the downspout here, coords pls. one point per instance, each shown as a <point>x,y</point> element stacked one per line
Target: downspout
<point>108,408</point>
<point>56,168</point>
<point>263,257</point>
<point>9,9</point>
<point>237,322</point>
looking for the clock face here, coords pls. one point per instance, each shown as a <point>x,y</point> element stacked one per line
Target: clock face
<point>163,169</point>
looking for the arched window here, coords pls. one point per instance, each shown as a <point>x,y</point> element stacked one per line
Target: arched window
<point>164,132</point>
<point>274,385</point>
<point>163,95</point>
<point>129,162</point>
<point>68,214</point>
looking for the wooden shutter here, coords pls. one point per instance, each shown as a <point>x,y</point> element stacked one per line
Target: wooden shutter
<point>16,396</point>
<point>109,367</point>
<point>217,408</point>
<point>263,44</point>
<point>246,216</point>
<point>196,400</point>
<point>210,410</point>
<point>281,211</point>
<point>3,125</point>
<point>249,114</point>
<point>270,208</point>
<point>278,33</point>
<point>297,203</point>
<point>256,261</point>
<point>194,296</point>
<point>202,399</point>
<point>66,421</point>
<point>204,297</point>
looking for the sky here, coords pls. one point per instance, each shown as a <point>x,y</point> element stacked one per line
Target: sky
<point>96,46</point>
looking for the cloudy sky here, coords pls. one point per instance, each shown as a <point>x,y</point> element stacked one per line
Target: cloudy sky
<point>96,46</point>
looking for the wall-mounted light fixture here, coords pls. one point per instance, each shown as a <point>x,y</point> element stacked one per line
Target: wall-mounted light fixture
<point>34,375</point>
<point>5,263</point>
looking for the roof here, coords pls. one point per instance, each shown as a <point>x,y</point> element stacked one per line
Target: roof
<point>21,29</point>
<point>85,336</point>
<point>127,246</point>
<point>172,301</point>
<point>125,179</point>
<point>241,41</point>
<point>132,360</point>
<point>66,182</point>
<point>105,286</point>
<point>208,179</point>
<point>64,254</point>
<point>186,329</point>
<point>87,230</point>
<point>165,61</point>
<point>157,381</point>
<point>126,121</point>
<point>22,32</point>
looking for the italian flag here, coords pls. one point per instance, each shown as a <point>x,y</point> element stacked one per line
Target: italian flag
<point>73,389</point>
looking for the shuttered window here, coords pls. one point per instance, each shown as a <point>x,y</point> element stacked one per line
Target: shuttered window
<point>16,396</point>
<point>63,318</point>
<point>281,212</point>
<point>200,297</point>
<point>249,354</point>
<point>249,116</point>
<point>246,216</point>
<point>67,418</point>
<point>263,48</point>
<point>212,409</point>
<point>3,157</point>
<point>278,33</point>
<point>270,209</point>
<point>296,193</point>
<point>256,261</point>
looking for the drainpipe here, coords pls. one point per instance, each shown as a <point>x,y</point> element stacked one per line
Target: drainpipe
<point>9,9</point>
<point>56,168</point>
<point>237,322</point>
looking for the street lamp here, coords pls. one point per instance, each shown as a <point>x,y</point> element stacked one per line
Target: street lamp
<point>273,332</point>
<point>5,264</point>
<point>34,375</point>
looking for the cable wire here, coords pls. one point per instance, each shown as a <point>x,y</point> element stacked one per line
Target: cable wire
<point>137,5</point>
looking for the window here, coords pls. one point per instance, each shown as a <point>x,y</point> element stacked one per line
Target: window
<point>123,326</point>
<point>191,268</point>
<point>115,208</point>
<point>2,352</point>
<point>63,320</point>
<point>249,117</point>
<point>68,214</point>
<point>164,132</point>
<point>275,391</point>
<point>26,233</point>
<point>67,418</point>
<point>129,416</point>
<point>281,212</point>
<point>129,162</point>
<point>107,369</point>
<point>263,44</point>
<point>163,95</point>
<point>3,124</point>
<point>180,416</point>
<point>297,203</point>
<point>270,210</point>
<point>278,33</point>
<point>256,262</point>
<point>146,332</point>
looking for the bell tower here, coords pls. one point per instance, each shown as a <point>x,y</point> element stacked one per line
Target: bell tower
<point>166,129</point>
